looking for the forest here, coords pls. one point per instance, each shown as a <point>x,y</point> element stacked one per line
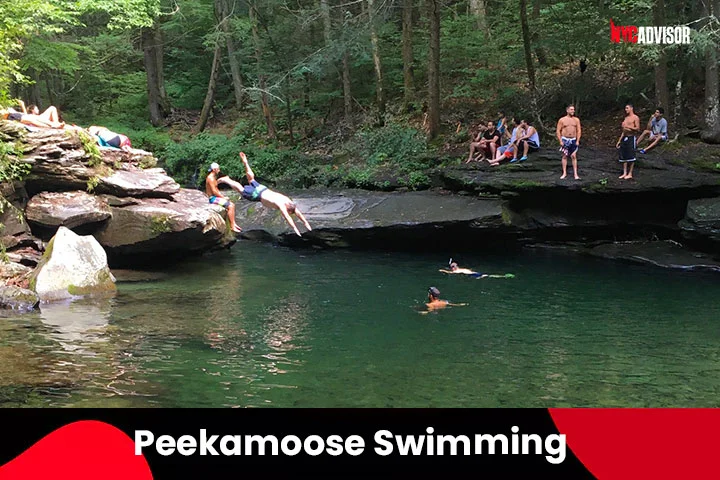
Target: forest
<point>355,93</point>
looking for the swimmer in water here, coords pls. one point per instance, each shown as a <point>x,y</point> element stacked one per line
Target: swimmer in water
<point>464,271</point>
<point>435,303</point>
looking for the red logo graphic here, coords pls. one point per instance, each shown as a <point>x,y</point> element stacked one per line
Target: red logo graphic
<point>86,450</point>
<point>626,33</point>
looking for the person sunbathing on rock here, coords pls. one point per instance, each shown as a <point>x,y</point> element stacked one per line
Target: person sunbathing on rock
<point>108,138</point>
<point>256,192</point>
<point>47,119</point>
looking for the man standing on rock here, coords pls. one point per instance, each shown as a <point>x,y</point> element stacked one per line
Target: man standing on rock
<point>568,134</point>
<point>256,192</point>
<point>217,198</point>
<point>626,143</point>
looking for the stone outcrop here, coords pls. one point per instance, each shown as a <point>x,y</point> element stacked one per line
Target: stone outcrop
<point>17,298</point>
<point>66,209</point>
<point>72,265</point>
<point>146,226</point>
<point>702,221</point>
<point>138,213</point>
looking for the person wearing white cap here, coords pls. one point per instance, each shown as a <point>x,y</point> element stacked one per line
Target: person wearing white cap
<point>217,198</point>
<point>256,192</point>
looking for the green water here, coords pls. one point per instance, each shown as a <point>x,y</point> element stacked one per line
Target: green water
<point>266,326</point>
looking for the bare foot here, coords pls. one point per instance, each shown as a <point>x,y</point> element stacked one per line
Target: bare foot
<point>563,176</point>
<point>577,178</point>
<point>628,177</point>
<point>622,176</point>
<point>236,229</point>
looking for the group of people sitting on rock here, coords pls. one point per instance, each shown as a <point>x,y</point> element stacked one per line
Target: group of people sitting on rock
<point>50,118</point>
<point>254,192</point>
<point>495,142</point>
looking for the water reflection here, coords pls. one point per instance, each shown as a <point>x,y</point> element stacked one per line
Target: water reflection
<point>77,325</point>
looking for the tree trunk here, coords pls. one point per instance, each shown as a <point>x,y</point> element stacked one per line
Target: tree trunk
<point>153,75</point>
<point>662,93</point>
<point>539,51</point>
<point>711,134</point>
<point>347,92</point>
<point>33,92</point>
<point>526,44</point>
<point>159,61</point>
<point>379,91</point>
<point>327,25</point>
<point>433,9</point>
<point>210,95</point>
<point>238,86</point>
<point>478,9</point>
<point>267,113</point>
<point>407,53</point>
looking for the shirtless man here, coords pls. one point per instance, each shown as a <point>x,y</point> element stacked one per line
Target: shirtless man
<point>464,271</point>
<point>568,134</point>
<point>435,303</point>
<point>626,143</point>
<point>256,192</point>
<point>217,198</point>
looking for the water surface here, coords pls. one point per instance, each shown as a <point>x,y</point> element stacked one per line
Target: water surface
<point>267,326</point>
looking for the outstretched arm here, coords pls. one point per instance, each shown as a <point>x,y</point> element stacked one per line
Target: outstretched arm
<point>289,220</point>
<point>299,214</point>
<point>248,171</point>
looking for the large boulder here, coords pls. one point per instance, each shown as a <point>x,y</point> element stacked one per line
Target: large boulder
<point>159,227</point>
<point>66,209</point>
<point>16,298</point>
<point>72,265</point>
<point>702,220</point>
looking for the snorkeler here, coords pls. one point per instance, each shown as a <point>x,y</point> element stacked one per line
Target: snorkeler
<point>464,271</point>
<point>454,268</point>
<point>435,303</point>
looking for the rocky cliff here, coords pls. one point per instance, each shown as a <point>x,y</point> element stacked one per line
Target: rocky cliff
<point>133,209</point>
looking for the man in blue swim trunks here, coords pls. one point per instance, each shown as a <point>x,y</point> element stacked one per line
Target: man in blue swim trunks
<point>627,142</point>
<point>568,133</point>
<point>217,198</point>
<point>255,192</point>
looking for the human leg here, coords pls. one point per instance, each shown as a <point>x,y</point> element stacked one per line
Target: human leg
<point>630,171</point>
<point>248,171</point>
<point>50,114</point>
<point>575,167</point>
<point>564,167</point>
<point>654,143</point>
<point>231,218</point>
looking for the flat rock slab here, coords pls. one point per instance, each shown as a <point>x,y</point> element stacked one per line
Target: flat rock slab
<point>136,182</point>
<point>666,254</point>
<point>660,171</point>
<point>68,209</point>
<point>357,210</point>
